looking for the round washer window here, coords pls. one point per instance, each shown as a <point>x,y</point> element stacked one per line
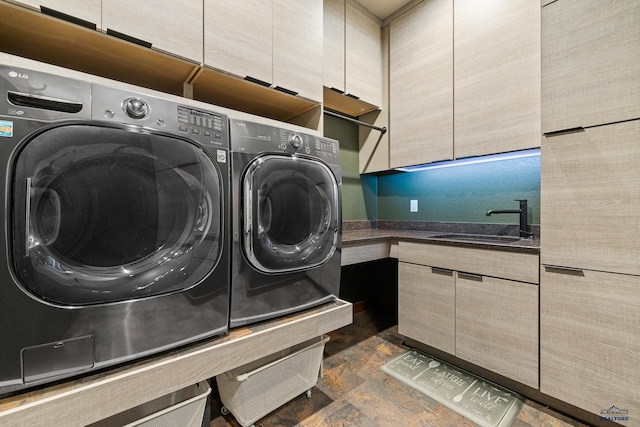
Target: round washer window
<point>291,213</point>
<point>105,214</point>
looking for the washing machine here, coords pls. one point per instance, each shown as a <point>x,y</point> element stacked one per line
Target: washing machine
<point>114,226</point>
<point>287,225</point>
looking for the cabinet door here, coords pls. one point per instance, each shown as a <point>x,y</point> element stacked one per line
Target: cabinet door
<point>170,26</point>
<point>421,84</point>
<point>334,45</point>
<point>426,305</point>
<point>589,340</point>
<point>590,63</point>
<point>497,326</point>
<point>238,37</point>
<point>496,76</point>
<point>590,192</point>
<point>297,47</point>
<point>364,57</point>
<point>87,10</point>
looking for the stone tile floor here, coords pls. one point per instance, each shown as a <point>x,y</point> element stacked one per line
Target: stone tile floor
<point>354,391</point>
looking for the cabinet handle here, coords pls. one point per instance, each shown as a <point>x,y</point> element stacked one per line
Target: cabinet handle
<point>257,81</point>
<point>560,269</point>
<point>69,18</point>
<point>285,90</point>
<point>564,131</point>
<point>469,276</point>
<point>128,38</point>
<point>445,271</point>
<point>335,89</point>
<point>352,96</point>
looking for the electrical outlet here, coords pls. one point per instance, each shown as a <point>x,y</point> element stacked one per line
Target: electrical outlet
<point>413,206</point>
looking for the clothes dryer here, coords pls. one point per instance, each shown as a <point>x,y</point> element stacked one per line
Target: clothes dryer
<point>287,225</point>
<point>115,234</point>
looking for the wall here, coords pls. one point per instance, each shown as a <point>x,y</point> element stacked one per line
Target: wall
<point>462,193</point>
<point>455,194</point>
<point>358,191</point>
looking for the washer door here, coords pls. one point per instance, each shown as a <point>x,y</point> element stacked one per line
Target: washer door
<point>291,213</point>
<point>106,214</point>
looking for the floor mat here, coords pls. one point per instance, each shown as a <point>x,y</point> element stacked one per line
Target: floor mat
<point>477,399</point>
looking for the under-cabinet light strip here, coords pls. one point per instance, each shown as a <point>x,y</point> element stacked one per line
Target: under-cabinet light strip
<point>472,160</point>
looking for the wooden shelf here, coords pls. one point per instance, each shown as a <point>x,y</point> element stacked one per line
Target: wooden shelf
<point>89,399</point>
<point>223,89</point>
<point>33,35</point>
<point>345,104</point>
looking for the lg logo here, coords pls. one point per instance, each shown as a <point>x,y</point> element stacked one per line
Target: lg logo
<point>19,75</point>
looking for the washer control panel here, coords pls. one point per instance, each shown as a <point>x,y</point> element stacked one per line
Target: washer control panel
<point>135,108</point>
<point>200,122</point>
<point>148,111</point>
<point>295,140</point>
<point>326,148</point>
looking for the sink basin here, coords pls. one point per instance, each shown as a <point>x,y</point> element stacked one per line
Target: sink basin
<point>478,238</point>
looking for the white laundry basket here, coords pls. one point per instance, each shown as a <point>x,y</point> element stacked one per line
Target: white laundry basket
<point>184,408</point>
<point>255,389</point>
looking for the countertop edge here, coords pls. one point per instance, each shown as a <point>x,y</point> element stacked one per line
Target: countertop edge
<point>364,236</point>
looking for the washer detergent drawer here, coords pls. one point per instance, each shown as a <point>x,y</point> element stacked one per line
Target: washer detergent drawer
<point>58,358</point>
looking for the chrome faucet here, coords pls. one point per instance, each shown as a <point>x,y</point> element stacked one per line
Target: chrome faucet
<point>524,217</point>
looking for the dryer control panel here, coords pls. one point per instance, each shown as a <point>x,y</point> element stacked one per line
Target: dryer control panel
<point>255,138</point>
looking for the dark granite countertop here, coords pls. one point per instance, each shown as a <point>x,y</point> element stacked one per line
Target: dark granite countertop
<point>485,241</point>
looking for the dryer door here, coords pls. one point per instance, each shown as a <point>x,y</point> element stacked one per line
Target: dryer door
<point>291,213</point>
<point>106,214</point>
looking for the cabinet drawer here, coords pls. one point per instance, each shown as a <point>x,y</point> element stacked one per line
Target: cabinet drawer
<point>497,326</point>
<point>363,252</point>
<point>523,267</point>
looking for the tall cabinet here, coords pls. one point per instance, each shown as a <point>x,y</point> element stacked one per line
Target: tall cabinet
<point>590,214</point>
